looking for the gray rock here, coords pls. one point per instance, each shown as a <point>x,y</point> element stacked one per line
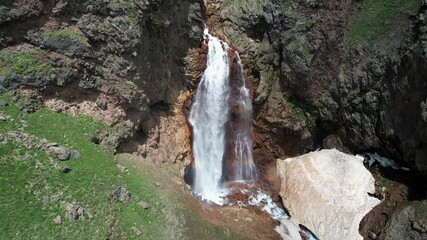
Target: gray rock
<point>136,230</point>
<point>74,154</point>
<point>66,169</point>
<point>3,103</point>
<point>102,104</point>
<point>119,194</point>
<point>45,201</point>
<point>57,220</point>
<point>60,153</point>
<point>334,141</point>
<point>409,222</point>
<point>143,204</point>
<point>74,211</point>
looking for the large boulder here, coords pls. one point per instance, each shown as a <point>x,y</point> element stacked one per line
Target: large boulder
<point>327,191</point>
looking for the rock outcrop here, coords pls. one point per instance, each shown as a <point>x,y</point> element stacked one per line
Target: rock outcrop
<point>410,222</point>
<point>327,191</point>
<point>129,54</point>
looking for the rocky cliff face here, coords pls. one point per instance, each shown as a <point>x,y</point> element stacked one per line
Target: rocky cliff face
<point>126,57</point>
<point>315,76</point>
<point>323,73</point>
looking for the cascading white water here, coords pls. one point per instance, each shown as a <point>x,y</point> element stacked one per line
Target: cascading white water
<point>243,167</point>
<point>222,135</point>
<point>211,119</point>
<point>208,117</point>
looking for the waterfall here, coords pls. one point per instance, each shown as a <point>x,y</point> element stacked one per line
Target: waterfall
<point>221,122</point>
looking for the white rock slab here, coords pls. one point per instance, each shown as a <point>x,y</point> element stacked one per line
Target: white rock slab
<point>327,191</point>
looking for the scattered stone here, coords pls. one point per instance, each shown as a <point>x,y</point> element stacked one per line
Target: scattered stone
<point>58,108</point>
<point>74,211</point>
<point>66,169</point>
<point>50,144</point>
<point>89,215</point>
<point>143,204</point>
<point>74,154</point>
<point>102,104</point>
<point>3,103</point>
<point>119,194</point>
<point>95,139</point>
<point>58,220</point>
<point>54,198</point>
<point>45,201</point>
<point>158,184</point>
<point>2,117</point>
<point>136,230</point>
<point>248,219</point>
<point>122,168</point>
<point>60,153</point>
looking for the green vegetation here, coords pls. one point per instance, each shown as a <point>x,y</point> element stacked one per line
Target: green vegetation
<point>268,77</point>
<point>302,48</point>
<point>287,6</point>
<point>228,3</point>
<point>304,25</point>
<point>374,19</point>
<point>129,8</point>
<point>296,112</point>
<point>24,62</point>
<point>27,176</point>
<point>35,191</point>
<point>67,33</point>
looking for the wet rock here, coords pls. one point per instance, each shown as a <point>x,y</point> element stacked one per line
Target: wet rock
<point>57,220</point>
<point>119,194</point>
<point>59,153</point>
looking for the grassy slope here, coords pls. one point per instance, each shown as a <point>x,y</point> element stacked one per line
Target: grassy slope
<point>375,18</point>
<point>25,182</point>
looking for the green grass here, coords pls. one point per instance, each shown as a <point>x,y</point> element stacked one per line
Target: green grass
<point>374,19</point>
<point>24,62</point>
<point>168,216</point>
<point>24,183</point>
<point>27,175</point>
<point>150,221</point>
<point>67,33</point>
<point>268,77</point>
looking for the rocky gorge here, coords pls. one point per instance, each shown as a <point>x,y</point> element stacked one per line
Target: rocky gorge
<point>323,74</point>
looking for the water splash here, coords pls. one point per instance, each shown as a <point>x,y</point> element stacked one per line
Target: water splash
<point>265,202</point>
<point>221,121</point>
